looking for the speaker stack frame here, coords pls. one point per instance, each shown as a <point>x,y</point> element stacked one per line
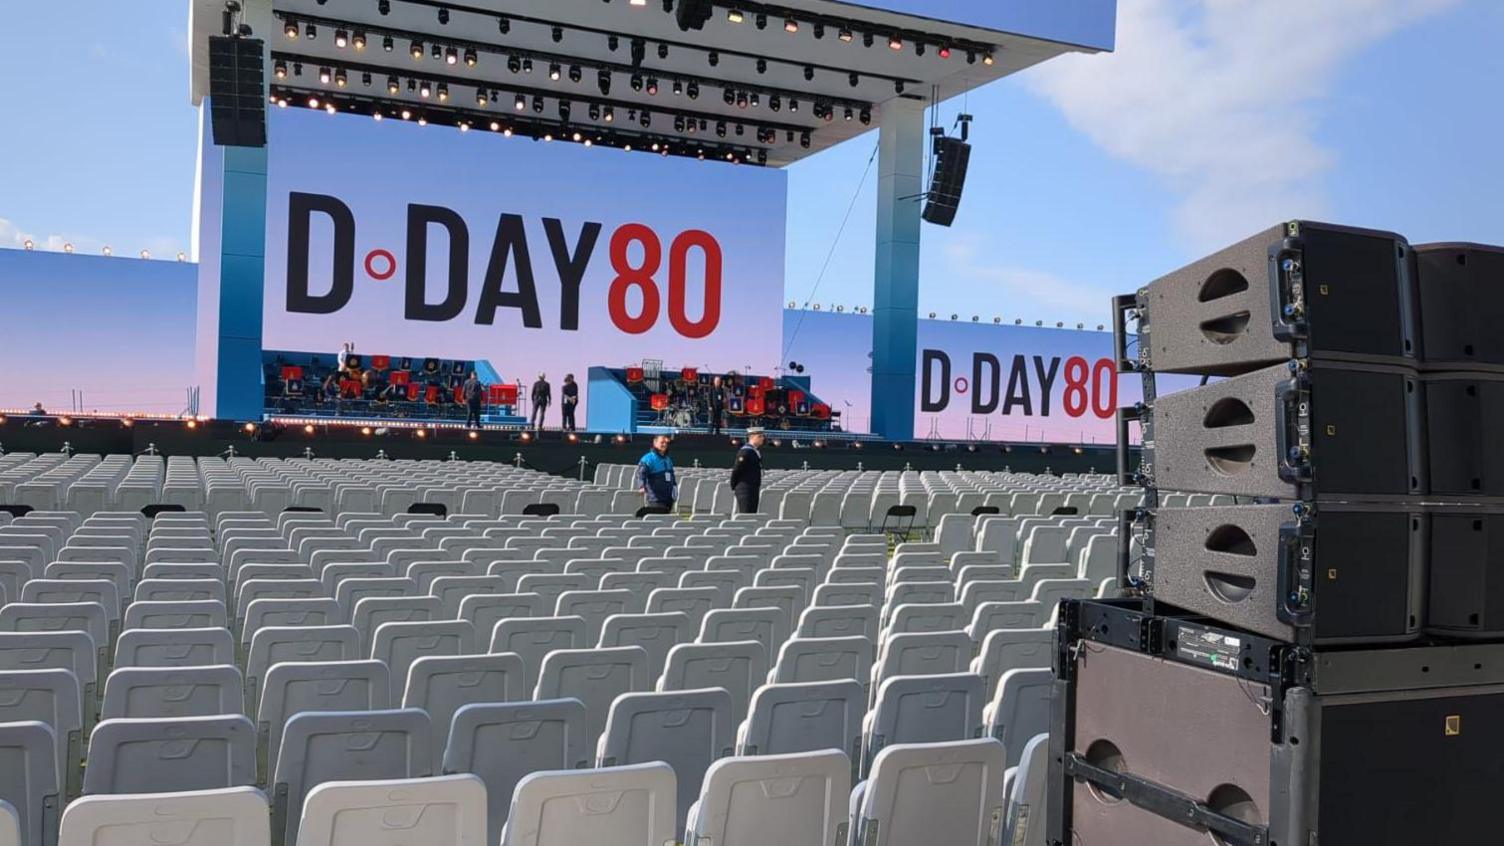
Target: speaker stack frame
<point>1351,388</point>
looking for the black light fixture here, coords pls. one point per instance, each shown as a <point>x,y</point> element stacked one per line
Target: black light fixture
<point>729,96</point>
<point>854,79</point>
<point>324,75</point>
<point>610,114</point>
<point>636,82</point>
<point>424,89</point>
<point>480,97</point>
<point>790,25</point>
<point>279,69</point>
<point>471,57</point>
<point>662,50</point>
<point>451,56</point>
<point>898,86</point>
<point>713,58</point>
<point>809,73</point>
<point>645,119</point>
<point>527,65</point>
<point>558,34</point>
<point>574,73</point>
<point>358,41</point>
<point>291,29</point>
<point>865,116</point>
<point>793,104</point>
<point>521,102</point>
<point>678,88</point>
<point>341,79</point>
<point>384,6</point>
<point>514,63</point>
<point>867,39</point>
<point>613,42</point>
<point>762,65</point>
<point>653,86</point>
<point>848,114</point>
<point>416,51</point>
<point>312,32</point>
<point>735,16</point>
<point>386,43</point>
<point>804,140</point>
<point>564,110</point>
<point>503,25</point>
<point>341,39</point>
<point>775,102</point>
<point>438,52</point>
<point>761,20</point>
<point>845,35</point>
<point>444,15</point>
<point>538,103</point>
<point>895,42</point>
<point>594,111</point>
<point>603,81</point>
<point>754,99</point>
<point>392,86</point>
<point>639,51</point>
<point>919,48</point>
<point>443,93</point>
<point>553,71</point>
<point>819,31</point>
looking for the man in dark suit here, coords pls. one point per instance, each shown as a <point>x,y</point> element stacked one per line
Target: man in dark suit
<point>716,399</point>
<point>472,392</point>
<point>542,395</point>
<point>746,474</point>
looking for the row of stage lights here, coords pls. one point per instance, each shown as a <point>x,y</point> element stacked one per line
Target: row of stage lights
<point>975,318</point>
<point>846,32</point>
<point>522,62</point>
<point>537,130</point>
<point>29,245</point>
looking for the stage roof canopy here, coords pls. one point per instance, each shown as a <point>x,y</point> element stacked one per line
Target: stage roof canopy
<point>757,82</point>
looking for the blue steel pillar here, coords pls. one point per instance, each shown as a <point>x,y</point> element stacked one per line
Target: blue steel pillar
<point>895,327</point>
<point>242,280</point>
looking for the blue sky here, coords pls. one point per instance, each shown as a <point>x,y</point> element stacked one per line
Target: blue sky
<point>1090,176</point>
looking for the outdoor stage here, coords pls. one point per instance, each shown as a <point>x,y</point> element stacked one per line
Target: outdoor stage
<point>552,451</point>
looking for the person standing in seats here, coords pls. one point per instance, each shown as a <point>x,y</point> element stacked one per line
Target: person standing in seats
<point>655,475</point>
<point>569,397</point>
<point>472,391</point>
<point>746,474</point>
<point>542,395</point>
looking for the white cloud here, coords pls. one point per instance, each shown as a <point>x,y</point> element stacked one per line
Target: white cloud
<point>1221,99</point>
<point>1022,292</point>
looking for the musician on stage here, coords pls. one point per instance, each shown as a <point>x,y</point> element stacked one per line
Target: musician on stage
<point>746,474</point>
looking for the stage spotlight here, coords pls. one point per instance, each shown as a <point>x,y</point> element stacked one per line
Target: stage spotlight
<point>613,42</point>
<point>250,428</point>
<point>678,88</point>
<point>291,29</point>
<point>735,16</point>
<point>866,116</point>
<point>574,73</point>
<point>384,6</point>
<point>538,103</point>
<point>415,50</point>
<point>793,104</point>
<point>451,56</point>
<point>762,65</point>
<point>307,428</point>
<point>987,60</point>
<point>392,86</point>
<point>919,48</point>
<point>525,437</point>
<point>341,39</point>
<point>341,79</point>
<point>359,41</point>
<point>280,69</point>
<point>845,35</point>
<point>564,110</point>
<point>741,99</point>
<point>662,51</point>
<point>192,424</point>
<point>809,73</point>
<point>527,65</point>
<point>714,58</point>
<point>636,82</point>
<point>755,99</point>
<point>761,20</point>
<point>854,80</point>
<point>438,52</point>
<point>558,34</point>
<point>603,82</point>
<point>848,113</point>
<point>503,25</point>
<point>652,86</point>
<point>124,421</point>
<point>804,140</point>
<point>790,25</point>
<point>553,71</point>
<point>425,90</point>
<point>471,58</point>
<point>621,439</point>
<point>480,97</point>
<point>693,90</point>
<point>28,245</point>
<point>895,43</point>
<point>324,75</point>
<point>107,251</point>
<point>645,119</point>
<point>421,433</point>
<point>514,63</point>
<point>610,114</point>
<point>944,51</point>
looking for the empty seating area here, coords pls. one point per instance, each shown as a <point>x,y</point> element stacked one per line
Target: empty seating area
<point>309,652</point>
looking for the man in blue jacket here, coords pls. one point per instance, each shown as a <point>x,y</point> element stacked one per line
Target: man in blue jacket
<point>655,475</point>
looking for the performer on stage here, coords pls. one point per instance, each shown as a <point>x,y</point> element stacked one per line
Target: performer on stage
<point>569,397</point>
<point>746,474</point>
<point>472,391</point>
<point>655,475</point>
<point>542,395</point>
<point>717,399</point>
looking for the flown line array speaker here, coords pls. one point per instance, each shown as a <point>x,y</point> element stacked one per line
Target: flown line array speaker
<point>1466,552</point>
<point>237,96</point>
<point>1462,305</point>
<point>1465,434</point>
<point>952,155</point>
<point>1298,290</point>
<point>1329,574</point>
<point>1293,431</point>
<point>1170,731</point>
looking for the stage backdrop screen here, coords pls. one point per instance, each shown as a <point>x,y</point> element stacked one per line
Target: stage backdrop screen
<point>975,381</point>
<point>537,257</point>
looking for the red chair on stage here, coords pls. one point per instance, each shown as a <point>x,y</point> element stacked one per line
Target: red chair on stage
<point>291,372</point>
<point>381,363</point>
<point>690,374</point>
<point>756,406</point>
<point>349,388</point>
<point>796,397</point>
<point>412,392</point>
<point>401,378</point>
<point>431,395</point>
<point>634,375</point>
<point>659,402</point>
<point>503,394</point>
<point>765,382</point>
<point>459,393</point>
<point>820,410</point>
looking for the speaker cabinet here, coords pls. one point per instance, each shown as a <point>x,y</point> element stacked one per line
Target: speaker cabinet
<point>1466,597</point>
<point>1326,430</point>
<point>1464,421</point>
<point>1329,574</point>
<point>1170,731</point>
<point>237,95</point>
<point>1296,290</point>
<point>1461,305</point>
<point>952,155</point>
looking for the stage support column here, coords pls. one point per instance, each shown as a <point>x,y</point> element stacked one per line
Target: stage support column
<point>900,182</point>
<point>242,277</point>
